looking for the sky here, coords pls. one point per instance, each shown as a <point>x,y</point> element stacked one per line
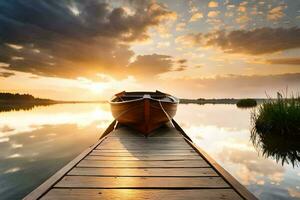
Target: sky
<point>89,50</point>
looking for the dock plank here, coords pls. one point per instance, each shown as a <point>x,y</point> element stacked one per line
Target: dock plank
<point>139,154</point>
<point>140,194</point>
<point>126,165</point>
<point>145,151</point>
<point>145,140</point>
<point>145,147</point>
<point>140,182</point>
<point>152,157</point>
<point>79,171</point>
<point>142,164</point>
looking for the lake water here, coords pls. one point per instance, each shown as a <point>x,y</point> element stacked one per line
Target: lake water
<point>35,144</point>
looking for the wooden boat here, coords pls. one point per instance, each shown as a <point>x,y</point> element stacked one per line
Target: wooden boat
<point>144,111</point>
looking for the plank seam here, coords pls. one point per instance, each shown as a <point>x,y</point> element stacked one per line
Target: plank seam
<point>156,188</point>
<point>141,167</point>
<point>206,176</point>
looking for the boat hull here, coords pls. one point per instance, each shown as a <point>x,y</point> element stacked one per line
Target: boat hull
<point>145,114</point>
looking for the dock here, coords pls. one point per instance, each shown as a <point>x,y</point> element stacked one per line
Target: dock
<point>124,164</point>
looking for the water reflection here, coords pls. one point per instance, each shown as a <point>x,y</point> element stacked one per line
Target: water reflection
<point>20,106</point>
<point>224,132</point>
<point>35,144</point>
<point>284,148</point>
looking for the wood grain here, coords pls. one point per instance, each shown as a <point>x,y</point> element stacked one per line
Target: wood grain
<point>138,158</point>
<point>142,164</point>
<point>141,182</point>
<point>140,194</point>
<point>143,172</point>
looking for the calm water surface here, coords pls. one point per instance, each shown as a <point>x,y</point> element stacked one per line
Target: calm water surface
<point>35,144</point>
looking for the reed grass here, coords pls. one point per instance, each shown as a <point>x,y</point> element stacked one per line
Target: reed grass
<point>280,116</point>
<point>276,129</point>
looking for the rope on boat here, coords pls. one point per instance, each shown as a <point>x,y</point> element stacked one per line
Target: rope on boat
<point>168,116</point>
<point>161,106</point>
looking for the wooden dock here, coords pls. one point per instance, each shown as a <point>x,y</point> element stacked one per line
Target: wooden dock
<point>125,165</point>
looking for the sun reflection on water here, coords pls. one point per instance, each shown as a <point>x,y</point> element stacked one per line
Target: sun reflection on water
<point>36,143</point>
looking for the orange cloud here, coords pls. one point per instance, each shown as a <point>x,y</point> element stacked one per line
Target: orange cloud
<point>284,61</point>
<point>82,39</point>
<point>253,42</point>
<point>196,16</point>
<point>213,13</point>
<point>213,4</point>
<point>180,26</point>
<point>276,13</point>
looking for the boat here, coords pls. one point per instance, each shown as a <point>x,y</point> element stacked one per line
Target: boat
<point>143,111</point>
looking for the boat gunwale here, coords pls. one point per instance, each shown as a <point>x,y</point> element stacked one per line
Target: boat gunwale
<point>142,98</point>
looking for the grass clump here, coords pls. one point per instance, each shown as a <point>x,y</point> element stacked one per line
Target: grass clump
<point>276,129</point>
<point>246,103</point>
<point>280,117</point>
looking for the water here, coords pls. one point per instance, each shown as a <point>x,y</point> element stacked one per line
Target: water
<point>35,144</point>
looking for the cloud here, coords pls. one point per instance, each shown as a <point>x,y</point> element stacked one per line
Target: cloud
<point>162,44</point>
<point>180,26</point>
<point>180,68</point>
<point>254,42</point>
<point>276,13</point>
<point>225,86</point>
<point>74,38</point>
<point>213,14</point>
<point>252,169</point>
<point>242,9</point>
<point>151,65</point>
<point>284,61</point>
<point>182,61</point>
<point>242,19</point>
<point>196,16</point>
<point>190,39</point>
<point>213,4</point>
<point>6,74</point>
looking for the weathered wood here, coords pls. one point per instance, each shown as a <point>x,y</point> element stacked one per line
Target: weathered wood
<point>152,157</point>
<point>148,139</point>
<point>143,172</point>
<point>141,154</point>
<point>144,143</point>
<point>142,164</point>
<point>141,182</point>
<point>132,139</point>
<point>144,147</point>
<point>140,194</point>
<point>150,151</point>
<point>110,142</point>
<point>143,113</point>
<point>43,188</point>
<point>128,166</point>
<point>126,132</point>
<point>228,177</point>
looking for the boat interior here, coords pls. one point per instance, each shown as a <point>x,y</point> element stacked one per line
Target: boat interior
<point>127,96</point>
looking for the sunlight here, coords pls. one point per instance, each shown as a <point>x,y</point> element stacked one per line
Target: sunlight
<point>72,70</point>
